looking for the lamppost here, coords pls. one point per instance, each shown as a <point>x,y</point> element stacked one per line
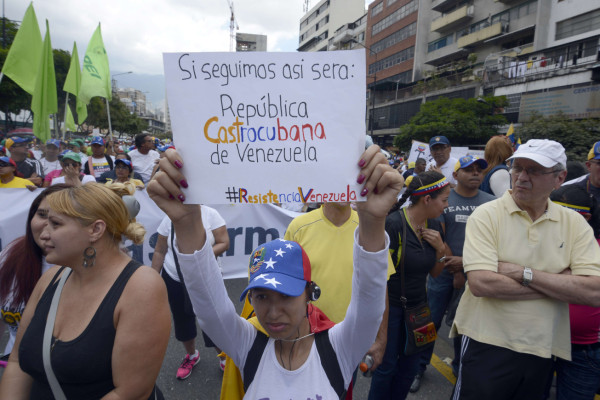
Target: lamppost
<point>372,91</point>
<point>114,81</point>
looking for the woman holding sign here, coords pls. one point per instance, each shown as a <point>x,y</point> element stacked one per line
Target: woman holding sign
<point>305,356</point>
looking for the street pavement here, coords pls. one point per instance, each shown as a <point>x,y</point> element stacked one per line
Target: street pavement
<point>205,381</point>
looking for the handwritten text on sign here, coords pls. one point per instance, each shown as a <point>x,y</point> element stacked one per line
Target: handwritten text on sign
<point>268,127</point>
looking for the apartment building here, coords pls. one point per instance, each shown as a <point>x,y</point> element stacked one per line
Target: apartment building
<point>468,48</point>
<point>323,19</point>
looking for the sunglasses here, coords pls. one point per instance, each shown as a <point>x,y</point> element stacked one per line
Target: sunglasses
<point>3,164</point>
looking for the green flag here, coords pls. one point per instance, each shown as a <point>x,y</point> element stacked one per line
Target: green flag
<point>70,121</point>
<point>73,83</point>
<point>95,75</point>
<point>23,59</point>
<point>43,101</point>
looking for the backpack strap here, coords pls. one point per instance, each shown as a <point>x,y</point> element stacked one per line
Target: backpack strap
<point>330,363</point>
<point>253,358</point>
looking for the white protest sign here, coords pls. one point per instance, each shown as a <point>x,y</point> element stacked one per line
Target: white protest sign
<point>268,127</point>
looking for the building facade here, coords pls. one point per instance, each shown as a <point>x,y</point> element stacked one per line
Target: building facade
<point>250,42</point>
<point>323,19</point>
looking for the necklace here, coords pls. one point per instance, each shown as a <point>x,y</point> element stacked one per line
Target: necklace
<point>297,339</point>
<point>418,229</point>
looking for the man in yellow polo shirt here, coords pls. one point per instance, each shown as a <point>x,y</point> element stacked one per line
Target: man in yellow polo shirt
<point>526,258</point>
<point>8,168</point>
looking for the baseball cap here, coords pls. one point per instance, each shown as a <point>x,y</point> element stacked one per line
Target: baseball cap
<point>164,148</point>
<point>438,140</point>
<point>73,156</point>
<point>594,153</point>
<point>280,265</point>
<point>74,143</point>
<point>98,140</point>
<point>9,161</point>
<point>15,140</point>
<point>545,152</point>
<point>466,161</point>
<point>53,142</point>
<point>80,141</point>
<point>124,161</point>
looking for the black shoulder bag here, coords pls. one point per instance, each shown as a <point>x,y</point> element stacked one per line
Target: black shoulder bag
<point>420,329</point>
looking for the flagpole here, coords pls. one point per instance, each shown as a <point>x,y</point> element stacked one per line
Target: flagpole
<point>109,125</point>
<point>64,131</point>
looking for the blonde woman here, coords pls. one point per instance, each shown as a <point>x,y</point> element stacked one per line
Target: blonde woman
<point>112,322</point>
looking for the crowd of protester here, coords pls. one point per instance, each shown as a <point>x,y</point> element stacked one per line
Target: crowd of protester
<point>503,247</point>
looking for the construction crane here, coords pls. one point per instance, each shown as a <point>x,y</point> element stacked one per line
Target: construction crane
<point>232,24</point>
<point>306,5</point>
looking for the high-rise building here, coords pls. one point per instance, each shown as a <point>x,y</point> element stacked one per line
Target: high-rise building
<point>250,42</point>
<point>322,20</point>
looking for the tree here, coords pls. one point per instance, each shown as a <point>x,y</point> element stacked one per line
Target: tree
<point>121,119</point>
<point>13,99</point>
<point>576,136</point>
<point>463,122</point>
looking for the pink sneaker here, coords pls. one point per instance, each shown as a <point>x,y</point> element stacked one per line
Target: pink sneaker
<point>187,365</point>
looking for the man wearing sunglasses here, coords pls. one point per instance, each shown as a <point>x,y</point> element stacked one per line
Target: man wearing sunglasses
<point>526,259</point>
<point>8,169</point>
<point>27,167</point>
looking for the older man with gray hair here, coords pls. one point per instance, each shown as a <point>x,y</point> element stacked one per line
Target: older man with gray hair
<point>526,259</point>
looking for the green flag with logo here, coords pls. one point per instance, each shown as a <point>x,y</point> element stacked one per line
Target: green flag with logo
<point>43,101</point>
<point>95,75</point>
<point>23,58</point>
<point>70,121</point>
<point>73,83</point>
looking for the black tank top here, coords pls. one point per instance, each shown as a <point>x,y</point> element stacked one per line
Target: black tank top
<point>82,365</point>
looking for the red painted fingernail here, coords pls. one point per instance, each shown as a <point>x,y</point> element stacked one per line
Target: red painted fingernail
<point>183,183</point>
<point>181,198</point>
<point>361,179</point>
<point>178,164</point>
<point>362,163</point>
<point>364,192</point>
<point>171,197</point>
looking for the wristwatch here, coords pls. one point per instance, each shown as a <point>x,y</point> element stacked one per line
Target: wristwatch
<point>442,259</point>
<point>527,276</point>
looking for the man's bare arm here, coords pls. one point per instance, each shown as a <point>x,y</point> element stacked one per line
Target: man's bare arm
<point>483,283</point>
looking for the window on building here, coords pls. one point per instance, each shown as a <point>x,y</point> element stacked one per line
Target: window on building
<point>394,17</point>
<point>577,25</point>
<point>390,2</point>
<point>392,60</point>
<point>377,9</point>
<point>440,43</point>
<point>396,37</point>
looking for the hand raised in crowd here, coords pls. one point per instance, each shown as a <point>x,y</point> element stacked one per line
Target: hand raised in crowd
<point>165,188</point>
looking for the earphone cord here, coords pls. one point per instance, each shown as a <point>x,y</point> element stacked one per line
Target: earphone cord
<point>291,350</point>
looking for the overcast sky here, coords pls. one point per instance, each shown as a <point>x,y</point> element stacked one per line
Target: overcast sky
<point>137,32</point>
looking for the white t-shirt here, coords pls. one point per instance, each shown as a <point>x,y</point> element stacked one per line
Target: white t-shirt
<point>350,339</point>
<point>143,164</point>
<point>84,180</point>
<point>100,165</point>
<point>49,166</point>
<point>447,169</point>
<point>211,219</point>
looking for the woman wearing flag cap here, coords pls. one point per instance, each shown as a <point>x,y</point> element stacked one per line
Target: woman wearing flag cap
<point>296,360</point>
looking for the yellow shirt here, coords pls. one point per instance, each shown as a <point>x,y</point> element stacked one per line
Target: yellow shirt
<point>501,231</point>
<point>18,183</point>
<point>330,250</point>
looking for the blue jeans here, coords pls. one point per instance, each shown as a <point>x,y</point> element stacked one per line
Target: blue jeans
<point>578,379</point>
<point>439,293</point>
<point>392,379</point>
